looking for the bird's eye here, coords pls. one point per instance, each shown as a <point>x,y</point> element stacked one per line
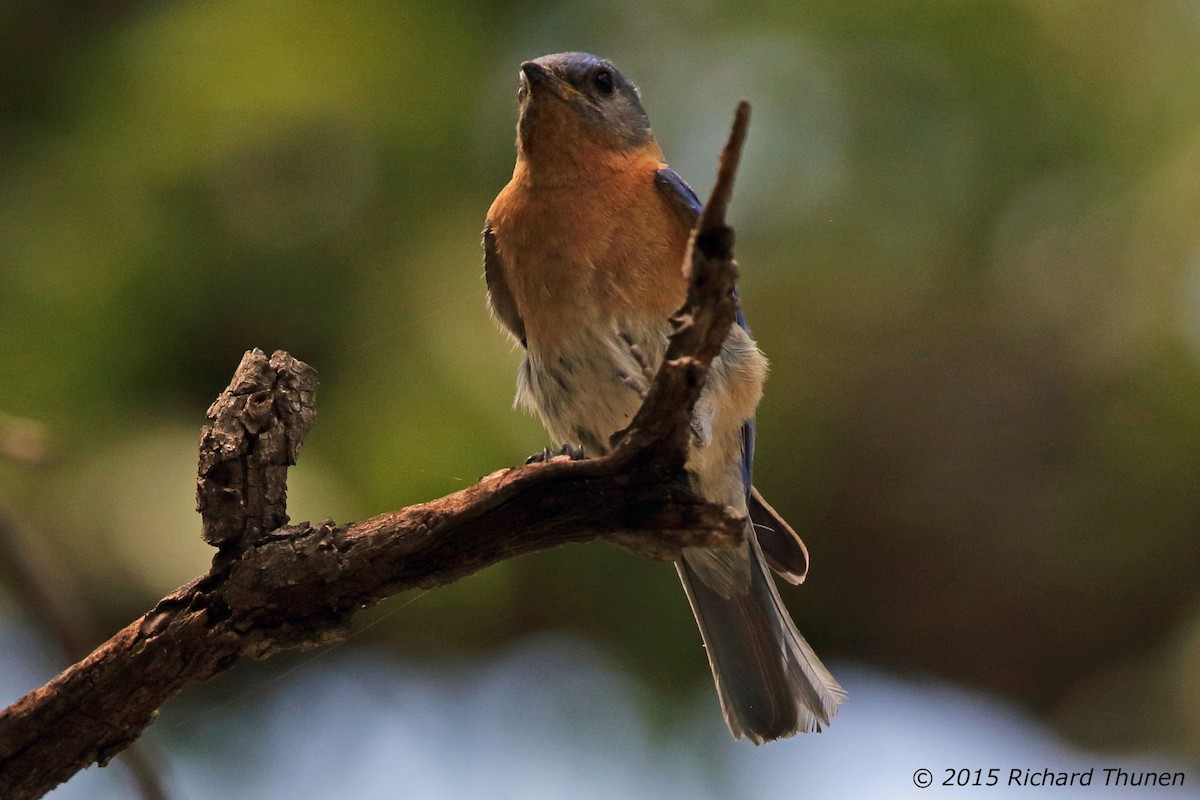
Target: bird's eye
<point>522,91</point>
<point>603,81</point>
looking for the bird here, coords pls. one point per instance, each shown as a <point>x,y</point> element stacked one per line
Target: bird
<point>584,264</point>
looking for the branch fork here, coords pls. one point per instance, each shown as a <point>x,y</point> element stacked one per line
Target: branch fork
<point>274,587</point>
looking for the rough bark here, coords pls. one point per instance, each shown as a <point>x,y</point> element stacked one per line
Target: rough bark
<point>258,423</point>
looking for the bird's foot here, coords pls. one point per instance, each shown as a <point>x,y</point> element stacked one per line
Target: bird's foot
<point>573,452</point>
<point>639,383</point>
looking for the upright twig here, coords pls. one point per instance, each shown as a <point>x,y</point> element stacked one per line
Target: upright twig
<point>702,323</point>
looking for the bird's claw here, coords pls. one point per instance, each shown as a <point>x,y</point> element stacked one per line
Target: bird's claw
<point>642,383</point>
<point>573,452</point>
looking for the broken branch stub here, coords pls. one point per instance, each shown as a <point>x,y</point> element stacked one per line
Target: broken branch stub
<point>258,425</point>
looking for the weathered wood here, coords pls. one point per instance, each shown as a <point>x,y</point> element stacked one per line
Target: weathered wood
<point>258,424</point>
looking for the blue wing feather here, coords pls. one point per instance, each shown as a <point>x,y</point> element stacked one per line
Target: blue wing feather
<point>688,206</point>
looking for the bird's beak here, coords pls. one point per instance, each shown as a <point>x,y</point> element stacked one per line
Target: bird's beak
<point>534,74</point>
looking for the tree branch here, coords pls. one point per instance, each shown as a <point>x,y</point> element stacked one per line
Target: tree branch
<point>49,596</point>
<point>273,588</point>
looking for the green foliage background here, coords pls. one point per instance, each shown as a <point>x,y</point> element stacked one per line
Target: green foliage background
<point>970,241</point>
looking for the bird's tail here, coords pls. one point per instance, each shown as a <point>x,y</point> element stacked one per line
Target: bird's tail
<point>770,682</point>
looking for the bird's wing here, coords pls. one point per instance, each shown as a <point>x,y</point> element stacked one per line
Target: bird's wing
<point>500,299</point>
<point>679,196</point>
<point>783,547</point>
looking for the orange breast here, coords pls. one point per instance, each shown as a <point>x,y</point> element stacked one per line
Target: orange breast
<point>600,246</point>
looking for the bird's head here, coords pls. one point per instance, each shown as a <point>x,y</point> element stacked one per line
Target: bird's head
<point>575,103</point>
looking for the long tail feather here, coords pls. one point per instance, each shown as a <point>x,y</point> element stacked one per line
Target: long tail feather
<point>770,682</point>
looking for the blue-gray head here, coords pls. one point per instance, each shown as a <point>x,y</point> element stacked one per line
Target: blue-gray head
<point>571,98</point>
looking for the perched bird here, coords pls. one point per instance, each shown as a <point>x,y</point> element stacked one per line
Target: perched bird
<point>583,254</point>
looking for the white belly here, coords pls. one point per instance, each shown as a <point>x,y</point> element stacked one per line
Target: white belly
<point>590,387</point>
